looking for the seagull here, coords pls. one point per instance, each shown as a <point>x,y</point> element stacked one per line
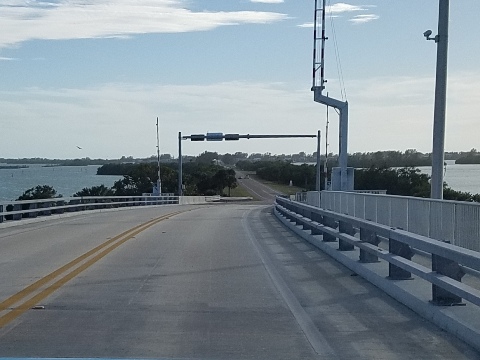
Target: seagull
<point>78,147</point>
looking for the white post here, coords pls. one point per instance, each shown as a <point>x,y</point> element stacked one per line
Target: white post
<point>318,186</point>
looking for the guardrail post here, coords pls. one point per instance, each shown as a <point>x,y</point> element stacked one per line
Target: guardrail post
<point>452,269</point>
<point>1,216</point>
<point>345,228</point>
<point>403,250</point>
<point>331,223</point>
<point>17,207</point>
<point>368,236</point>
<point>318,219</point>
<point>32,206</point>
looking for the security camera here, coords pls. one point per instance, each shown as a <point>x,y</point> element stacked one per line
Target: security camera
<point>427,33</point>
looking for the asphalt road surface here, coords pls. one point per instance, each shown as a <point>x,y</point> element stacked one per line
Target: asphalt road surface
<point>260,191</point>
<point>199,282</point>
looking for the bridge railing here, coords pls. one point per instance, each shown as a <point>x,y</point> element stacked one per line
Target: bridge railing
<point>447,259</point>
<point>456,222</point>
<point>383,255</point>
<point>17,210</point>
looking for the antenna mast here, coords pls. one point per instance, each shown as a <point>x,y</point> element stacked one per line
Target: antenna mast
<point>318,87</point>
<point>319,65</point>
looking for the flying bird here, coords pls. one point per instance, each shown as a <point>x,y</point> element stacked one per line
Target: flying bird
<point>78,147</point>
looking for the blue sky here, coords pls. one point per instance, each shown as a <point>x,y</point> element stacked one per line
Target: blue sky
<point>96,74</point>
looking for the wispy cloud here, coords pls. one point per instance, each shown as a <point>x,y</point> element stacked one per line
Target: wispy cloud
<point>343,7</point>
<point>77,19</point>
<point>361,19</point>
<point>267,1</point>
<point>339,8</point>
<point>7,59</point>
<point>306,25</point>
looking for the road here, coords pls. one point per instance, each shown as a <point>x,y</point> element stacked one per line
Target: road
<point>260,191</point>
<point>199,282</point>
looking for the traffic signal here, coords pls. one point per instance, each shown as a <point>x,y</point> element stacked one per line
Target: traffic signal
<point>197,137</point>
<point>214,136</point>
<point>232,136</point>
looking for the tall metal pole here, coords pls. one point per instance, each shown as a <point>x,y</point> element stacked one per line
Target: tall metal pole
<point>342,149</point>
<point>341,106</point>
<point>159,181</point>
<point>180,165</point>
<point>318,186</point>
<point>438,152</point>
<point>325,168</point>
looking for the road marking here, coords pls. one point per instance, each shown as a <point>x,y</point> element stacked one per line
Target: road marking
<point>314,337</point>
<point>95,255</point>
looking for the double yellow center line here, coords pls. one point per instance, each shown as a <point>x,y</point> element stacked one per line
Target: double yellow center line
<point>39,290</point>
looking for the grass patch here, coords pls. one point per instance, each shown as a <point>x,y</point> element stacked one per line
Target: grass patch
<point>284,189</point>
<point>239,191</point>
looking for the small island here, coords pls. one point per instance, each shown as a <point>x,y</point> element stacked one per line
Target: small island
<point>472,157</point>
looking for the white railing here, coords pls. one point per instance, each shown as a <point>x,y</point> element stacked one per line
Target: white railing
<point>391,267</point>
<point>456,222</point>
<point>18,210</point>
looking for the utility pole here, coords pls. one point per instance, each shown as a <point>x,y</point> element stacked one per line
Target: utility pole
<point>438,152</point>
<point>159,181</point>
<point>180,165</point>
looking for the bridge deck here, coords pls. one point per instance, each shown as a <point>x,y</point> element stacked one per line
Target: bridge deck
<point>222,282</point>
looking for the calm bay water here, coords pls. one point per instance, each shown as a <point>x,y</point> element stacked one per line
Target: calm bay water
<point>460,177</point>
<point>66,180</point>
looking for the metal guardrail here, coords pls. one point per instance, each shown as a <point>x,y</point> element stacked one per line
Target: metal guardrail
<point>454,221</point>
<point>18,210</point>
<point>449,263</point>
<point>447,259</point>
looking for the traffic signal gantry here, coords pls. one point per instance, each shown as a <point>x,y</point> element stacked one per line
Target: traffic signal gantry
<point>229,137</point>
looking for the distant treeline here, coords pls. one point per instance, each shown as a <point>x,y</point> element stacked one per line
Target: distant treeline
<point>472,157</point>
<point>405,181</point>
<point>283,172</point>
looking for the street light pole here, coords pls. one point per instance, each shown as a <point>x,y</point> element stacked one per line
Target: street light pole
<point>180,165</point>
<point>438,151</point>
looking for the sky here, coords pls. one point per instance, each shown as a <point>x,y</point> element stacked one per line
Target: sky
<point>88,78</point>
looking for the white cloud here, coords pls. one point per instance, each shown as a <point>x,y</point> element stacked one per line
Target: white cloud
<point>361,19</point>
<point>267,1</point>
<point>306,25</point>
<point>119,119</point>
<point>7,59</point>
<point>339,8</point>
<point>343,7</point>
<point>76,19</point>
<point>127,112</point>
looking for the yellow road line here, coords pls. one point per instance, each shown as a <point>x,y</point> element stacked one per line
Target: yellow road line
<point>107,247</point>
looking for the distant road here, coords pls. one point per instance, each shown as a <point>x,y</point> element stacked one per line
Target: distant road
<point>262,192</point>
<point>224,281</point>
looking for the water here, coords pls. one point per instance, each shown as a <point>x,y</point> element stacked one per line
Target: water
<point>460,177</point>
<point>66,180</point>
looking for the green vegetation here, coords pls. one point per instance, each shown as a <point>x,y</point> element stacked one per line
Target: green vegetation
<point>39,192</point>
<point>406,182</point>
<point>239,191</point>
<point>282,172</point>
<point>473,157</point>
<point>100,190</point>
